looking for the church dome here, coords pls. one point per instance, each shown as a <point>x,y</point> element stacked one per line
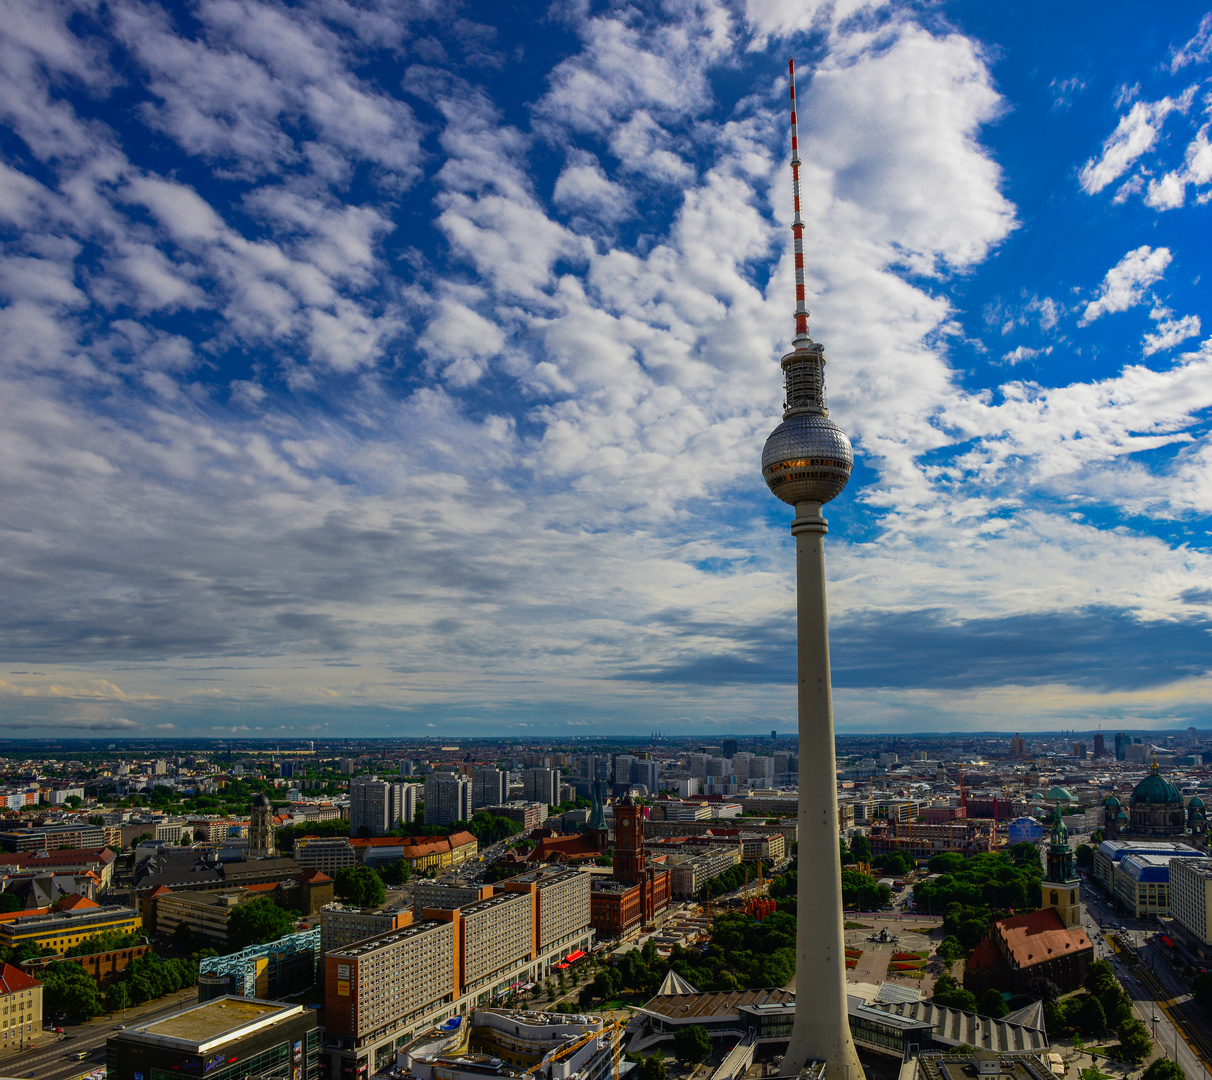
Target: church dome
<point>261,799</point>
<point>1121,816</point>
<point>1196,801</point>
<point>1111,801</point>
<point>1156,790</point>
<point>1059,794</point>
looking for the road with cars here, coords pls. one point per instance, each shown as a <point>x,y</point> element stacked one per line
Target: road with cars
<point>1160,999</point>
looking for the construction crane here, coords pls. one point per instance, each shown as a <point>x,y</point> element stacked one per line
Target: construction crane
<point>610,1029</point>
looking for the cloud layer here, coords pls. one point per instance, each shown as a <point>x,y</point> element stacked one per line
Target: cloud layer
<point>367,365</point>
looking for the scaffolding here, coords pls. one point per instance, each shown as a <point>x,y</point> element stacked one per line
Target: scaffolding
<point>285,966</point>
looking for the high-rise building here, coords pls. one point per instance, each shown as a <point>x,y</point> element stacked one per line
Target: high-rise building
<point>1100,746</point>
<point>622,768</point>
<point>447,799</point>
<point>645,772</point>
<point>729,747</point>
<point>376,806</point>
<point>1122,742</point>
<point>541,785</point>
<point>807,461</point>
<point>489,787</point>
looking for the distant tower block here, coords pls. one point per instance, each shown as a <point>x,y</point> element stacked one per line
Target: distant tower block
<point>806,462</point>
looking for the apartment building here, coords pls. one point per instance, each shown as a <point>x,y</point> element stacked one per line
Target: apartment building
<point>341,925</point>
<point>386,983</point>
<point>489,787</point>
<point>495,935</point>
<point>448,799</point>
<point>20,1007</point>
<point>690,875</point>
<point>541,786</point>
<point>433,894</point>
<point>376,806</point>
<point>530,815</point>
<point>561,905</point>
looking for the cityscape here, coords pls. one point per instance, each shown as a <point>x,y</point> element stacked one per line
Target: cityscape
<point>450,596</point>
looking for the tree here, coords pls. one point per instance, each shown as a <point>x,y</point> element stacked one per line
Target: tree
<point>1092,1018</point>
<point>8,902</point>
<point>69,991</point>
<point>1134,1041</point>
<point>360,886</point>
<point>1084,856</point>
<point>860,848</point>
<point>992,1004</point>
<point>653,1068</point>
<point>186,838</point>
<point>1043,989</point>
<point>949,994</point>
<point>1163,1069</point>
<point>73,801</point>
<point>257,922</point>
<point>949,950</point>
<point>691,1044</point>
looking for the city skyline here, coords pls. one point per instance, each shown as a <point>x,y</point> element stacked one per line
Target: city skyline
<point>373,374</point>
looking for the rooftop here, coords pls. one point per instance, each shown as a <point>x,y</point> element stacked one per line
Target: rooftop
<point>222,1019</point>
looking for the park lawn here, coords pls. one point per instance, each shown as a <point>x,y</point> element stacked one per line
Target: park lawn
<point>855,926</point>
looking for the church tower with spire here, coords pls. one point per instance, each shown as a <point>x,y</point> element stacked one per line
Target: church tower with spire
<point>1061,888</point>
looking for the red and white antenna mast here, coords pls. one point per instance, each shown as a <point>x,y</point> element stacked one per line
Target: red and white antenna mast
<point>797,224</point>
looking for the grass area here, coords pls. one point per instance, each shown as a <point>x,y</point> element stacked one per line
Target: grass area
<point>926,930</point>
<point>855,926</point>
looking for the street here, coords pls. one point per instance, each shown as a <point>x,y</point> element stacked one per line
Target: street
<point>58,1061</point>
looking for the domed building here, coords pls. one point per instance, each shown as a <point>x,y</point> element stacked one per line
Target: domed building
<point>1155,810</point>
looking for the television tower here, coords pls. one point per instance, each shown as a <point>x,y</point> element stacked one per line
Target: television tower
<point>806,462</point>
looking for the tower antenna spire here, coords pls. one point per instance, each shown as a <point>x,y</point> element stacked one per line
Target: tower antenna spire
<point>797,222</point>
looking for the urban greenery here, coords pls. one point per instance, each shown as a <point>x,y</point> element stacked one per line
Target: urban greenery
<point>360,886</point>
<point>691,1044</point>
<point>259,921</point>
<point>105,941</point>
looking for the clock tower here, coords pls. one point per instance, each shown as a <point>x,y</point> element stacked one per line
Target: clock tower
<point>628,841</point>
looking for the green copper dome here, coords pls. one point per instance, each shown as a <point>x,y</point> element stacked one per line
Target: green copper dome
<point>1111,801</point>
<point>1059,794</point>
<point>1121,816</point>
<point>1196,801</point>
<point>1156,790</point>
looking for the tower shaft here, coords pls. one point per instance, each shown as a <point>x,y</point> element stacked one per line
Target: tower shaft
<point>821,1030</point>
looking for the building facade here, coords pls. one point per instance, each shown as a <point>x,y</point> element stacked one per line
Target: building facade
<point>1191,901</point>
<point>326,853</point>
<point>20,1007</point>
<point>448,799</point>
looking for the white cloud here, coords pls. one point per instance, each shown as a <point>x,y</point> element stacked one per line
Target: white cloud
<point>584,188</point>
<point>1125,283</point>
<point>1171,332</point>
<point>1134,135</point>
<point>1197,50</point>
<point>1023,352</point>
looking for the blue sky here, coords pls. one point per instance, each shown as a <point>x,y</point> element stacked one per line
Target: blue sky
<point>390,368</point>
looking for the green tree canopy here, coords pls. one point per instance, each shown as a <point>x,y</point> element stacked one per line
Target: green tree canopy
<point>360,886</point>
<point>653,1068</point>
<point>691,1044</point>
<point>1084,856</point>
<point>69,991</point>
<point>992,1004</point>
<point>1163,1069</point>
<point>1134,1040</point>
<point>860,848</point>
<point>863,891</point>
<point>257,922</point>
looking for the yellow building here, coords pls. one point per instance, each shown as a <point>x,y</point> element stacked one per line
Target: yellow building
<point>20,1007</point>
<point>66,924</point>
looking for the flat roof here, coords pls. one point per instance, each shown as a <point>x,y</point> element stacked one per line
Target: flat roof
<point>214,1021</point>
<point>390,937</point>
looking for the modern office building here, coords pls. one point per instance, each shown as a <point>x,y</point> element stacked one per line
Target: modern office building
<point>78,834</point>
<point>448,799</point>
<point>326,853</point>
<point>228,1038</point>
<point>1191,902</point>
<point>69,922</point>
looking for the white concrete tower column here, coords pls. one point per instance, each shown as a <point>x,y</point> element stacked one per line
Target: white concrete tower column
<point>806,462</point>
